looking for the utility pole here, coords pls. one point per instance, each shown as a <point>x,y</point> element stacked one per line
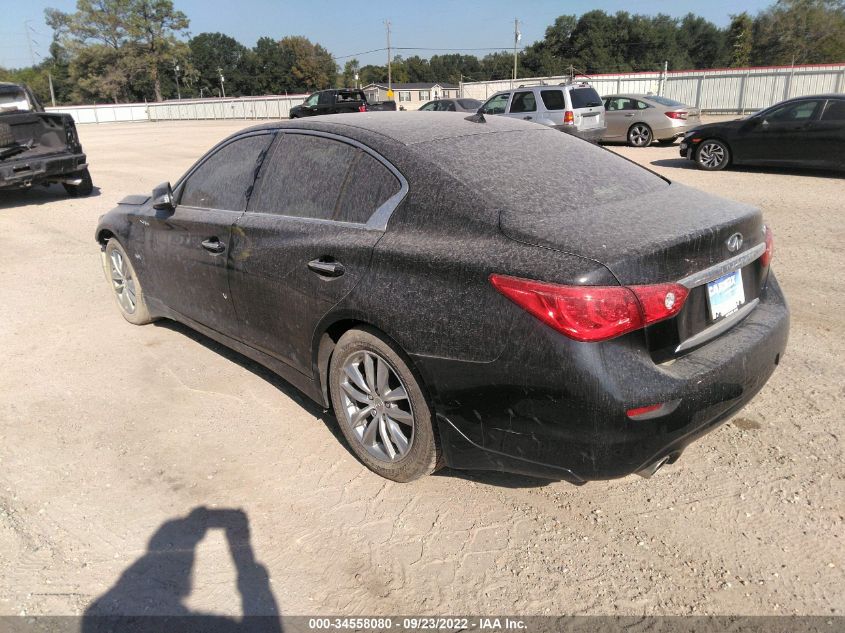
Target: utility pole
<point>27,28</point>
<point>222,79</point>
<point>176,73</point>
<point>389,74</point>
<point>52,92</point>
<point>516,37</point>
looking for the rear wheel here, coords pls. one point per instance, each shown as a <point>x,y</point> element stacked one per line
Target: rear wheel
<point>712,155</point>
<point>381,408</point>
<point>127,289</point>
<point>84,188</point>
<point>640,135</point>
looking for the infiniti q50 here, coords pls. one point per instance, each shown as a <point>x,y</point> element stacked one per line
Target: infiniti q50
<point>482,294</point>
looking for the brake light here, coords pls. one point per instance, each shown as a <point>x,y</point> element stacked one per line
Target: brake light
<point>569,117</point>
<point>766,257</point>
<point>676,115</point>
<point>593,313</point>
<point>362,108</point>
<point>634,413</point>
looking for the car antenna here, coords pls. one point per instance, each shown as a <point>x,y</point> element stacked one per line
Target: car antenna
<point>476,118</point>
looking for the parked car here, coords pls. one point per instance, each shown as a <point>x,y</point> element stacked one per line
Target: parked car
<point>337,102</point>
<point>37,147</point>
<point>575,108</point>
<point>451,105</point>
<point>551,309</point>
<point>800,132</point>
<point>641,119</point>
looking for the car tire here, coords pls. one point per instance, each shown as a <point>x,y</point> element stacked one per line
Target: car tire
<point>85,188</point>
<point>7,139</point>
<point>640,135</point>
<point>666,141</point>
<point>125,284</point>
<point>381,408</point>
<point>712,155</point>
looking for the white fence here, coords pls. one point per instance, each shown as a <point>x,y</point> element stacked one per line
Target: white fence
<point>270,107</point>
<point>724,90</point>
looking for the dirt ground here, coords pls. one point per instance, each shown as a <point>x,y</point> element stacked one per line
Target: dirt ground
<point>111,434</point>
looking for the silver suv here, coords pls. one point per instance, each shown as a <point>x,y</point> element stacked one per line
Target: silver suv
<point>574,107</point>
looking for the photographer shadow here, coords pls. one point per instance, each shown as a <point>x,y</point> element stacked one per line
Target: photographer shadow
<point>149,595</point>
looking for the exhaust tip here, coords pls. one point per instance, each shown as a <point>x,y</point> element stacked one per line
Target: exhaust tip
<point>648,471</point>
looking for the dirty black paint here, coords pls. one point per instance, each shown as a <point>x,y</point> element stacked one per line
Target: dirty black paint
<point>509,392</point>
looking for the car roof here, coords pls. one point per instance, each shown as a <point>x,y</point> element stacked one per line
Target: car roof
<point>407,128</point>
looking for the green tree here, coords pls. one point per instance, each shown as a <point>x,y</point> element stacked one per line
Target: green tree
<point>740,40</point>
<point>800,32</point>
<point>213,51</point>
<point>307,66</point>
<point>350,69</point>
<point>704,41</point>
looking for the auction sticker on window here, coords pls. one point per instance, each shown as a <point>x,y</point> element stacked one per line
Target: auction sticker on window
<point>725,295</point>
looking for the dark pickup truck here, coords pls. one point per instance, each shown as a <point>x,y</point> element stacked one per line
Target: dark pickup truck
<point>336,101</point>
<point>37,147</point>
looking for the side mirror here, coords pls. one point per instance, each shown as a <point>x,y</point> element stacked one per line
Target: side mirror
<point>163,197</point>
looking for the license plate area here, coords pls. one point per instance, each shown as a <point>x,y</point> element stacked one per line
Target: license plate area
<point>725,295</point>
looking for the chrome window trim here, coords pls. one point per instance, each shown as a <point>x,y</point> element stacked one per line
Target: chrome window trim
<point>718,328</point>
<point>380,217</point>
<point>723,268</point>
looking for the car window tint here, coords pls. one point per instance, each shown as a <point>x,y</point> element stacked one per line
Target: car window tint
<point>584,98</point>
<point>431,105</point>
<point>368,185</point>
<point>524,102</point>
<point>552,99</point>
<point>835,110</point>
<point>449,106</point>
<point>496,104</point>
<point>225,179</point>
<point>303,177</point>
<point>469,104</point>
<point>312,100</point>
<point>800,111</point>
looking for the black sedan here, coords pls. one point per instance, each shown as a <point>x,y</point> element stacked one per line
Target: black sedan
<point>802,132</point>
<point>483,294</point>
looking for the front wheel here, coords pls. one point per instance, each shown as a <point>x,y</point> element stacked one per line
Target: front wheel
<point>640,135</point>
<point>124,282</point>
<point>381,408</point>
<point>712,155</point>
<point>84,188</point>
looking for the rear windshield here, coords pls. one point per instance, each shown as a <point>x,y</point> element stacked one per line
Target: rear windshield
<point>666,101</point>
<point>552,99</point>
<point>542,170</point>
<point>584,98</point>
<point>13,98</point>
<point>469,103</point>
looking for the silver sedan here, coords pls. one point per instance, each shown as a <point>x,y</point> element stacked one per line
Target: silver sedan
<point>452,105</point>
<point>641,119</point>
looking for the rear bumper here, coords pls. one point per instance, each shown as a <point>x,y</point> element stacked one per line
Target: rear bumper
<point>592,134</point>
<point>22,172</point>
<point>560,412</point>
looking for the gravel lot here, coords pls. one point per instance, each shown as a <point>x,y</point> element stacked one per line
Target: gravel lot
<point>109,431</point>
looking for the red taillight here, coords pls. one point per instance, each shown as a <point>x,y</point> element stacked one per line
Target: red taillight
<point>362,108</point>
<point>633,413</point>
<point>569,117</point>
<point>677,115</point>
<point>766,257</point>
<point>593,313</point>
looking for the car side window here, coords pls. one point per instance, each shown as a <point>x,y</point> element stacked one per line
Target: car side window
<point>835,110</point>
<point>552,99</point>
<point>800,111</point>
<point>639,105</point>
<point>496,104</point>
<point>524,102</point>
<point>448,106</point>
<point>430,106</point>
<point>225,179</point>
<point>326,98</point>
<point>311,176</point>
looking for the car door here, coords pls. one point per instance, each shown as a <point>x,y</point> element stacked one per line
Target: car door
<point>187,248</point>
<point>320,205</point>
<point>326,104</point>
<point>779,135</point>
<point>620,114</point>
<point>825,136</point>
<point>523,105</point>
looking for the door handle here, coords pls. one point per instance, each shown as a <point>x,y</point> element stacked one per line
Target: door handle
<point>325,268</point>
<point>213,245</point>
<point>628,116</point>
<point>527,118</point>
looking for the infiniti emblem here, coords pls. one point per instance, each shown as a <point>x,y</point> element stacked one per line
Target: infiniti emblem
<point>734,242</point>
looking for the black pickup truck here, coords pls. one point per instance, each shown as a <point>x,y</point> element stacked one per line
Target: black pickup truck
<point>336,101</point>
<point>38,147</point>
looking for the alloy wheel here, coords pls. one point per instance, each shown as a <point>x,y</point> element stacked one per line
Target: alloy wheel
<point>711,155</point>
<point>376,406</point>
<point>123,282</point>
<point>640,135</point>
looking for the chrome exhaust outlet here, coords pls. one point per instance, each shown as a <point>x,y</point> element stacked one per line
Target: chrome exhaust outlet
<point>72,181</point>
<point>648,471</point>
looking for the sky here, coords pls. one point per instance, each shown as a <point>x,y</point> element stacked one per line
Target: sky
<point>351,27</point>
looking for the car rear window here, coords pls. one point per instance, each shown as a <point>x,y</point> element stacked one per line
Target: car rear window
<point>666,101</point>
<point>553,99</point>
<point>469,103</point>
<point>584,98</point>
<point>350,95</point>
